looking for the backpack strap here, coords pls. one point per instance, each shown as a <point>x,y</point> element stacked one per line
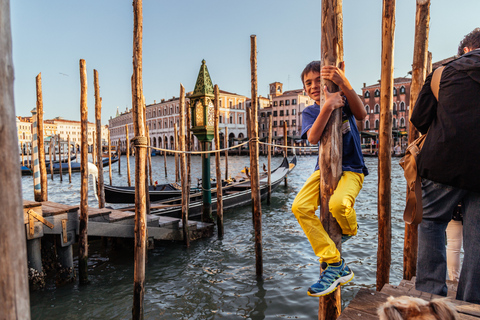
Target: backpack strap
<point>435,84</point>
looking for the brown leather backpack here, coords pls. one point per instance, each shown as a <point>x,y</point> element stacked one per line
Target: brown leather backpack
<point>413,208</point>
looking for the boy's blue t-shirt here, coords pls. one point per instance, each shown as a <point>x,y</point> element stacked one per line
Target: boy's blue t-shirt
<point>352,157</point>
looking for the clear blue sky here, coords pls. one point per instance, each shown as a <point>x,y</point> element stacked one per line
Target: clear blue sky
<point>52,36</point>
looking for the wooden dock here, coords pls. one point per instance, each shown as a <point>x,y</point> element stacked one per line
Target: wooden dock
<point>366,302</point>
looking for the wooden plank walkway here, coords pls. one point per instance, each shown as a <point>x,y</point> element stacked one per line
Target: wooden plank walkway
<point>366,302</point>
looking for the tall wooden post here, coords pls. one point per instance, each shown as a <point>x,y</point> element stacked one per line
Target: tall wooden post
<point>40,143</point>
<point>217,165</point>
<point>183,163</point>
<point>269,157</point>
<point>94,147</point>
<point>175,141</point>
<point>127,141</point>
<point>69,161</point>
<point>60,161</point>
<point>119,153</point>
<point>330,152</point>
<point>165,156</point>
<point>285,143</point>
<point>254,175</point>
<point>82,233</point>
<point>15,301</point>
<point>109,157</point>
<point>226,152</point>
<point>37,187</point>
<point>149,158</point>
<point>189,142</point>
<point>384,254</point>
<point>98,123</point>
<point>140,164</point>
<point>51,149</point>
<point>420,53</point>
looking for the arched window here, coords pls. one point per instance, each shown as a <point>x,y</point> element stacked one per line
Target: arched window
<point>377,93</point>
<point>394,91</point>
<point>367,124</point>
<point>377,108</point>
<point>402,123</point>
<point>367,108</point>
<point>367,94</point>
<point>394,123</point>
<point>394,107</point>
<point>402,106</point>
<point>376,124</point>
<point>402,89</point>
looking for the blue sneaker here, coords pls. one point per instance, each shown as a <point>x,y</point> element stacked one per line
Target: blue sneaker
<point>333,275</point>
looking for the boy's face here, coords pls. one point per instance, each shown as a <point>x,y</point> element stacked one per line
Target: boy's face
<point>311,84</point>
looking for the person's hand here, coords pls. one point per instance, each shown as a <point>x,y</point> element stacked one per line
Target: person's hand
<point>335,100</point>
<point>335,74</point>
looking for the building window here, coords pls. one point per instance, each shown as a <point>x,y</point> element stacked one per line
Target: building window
<point>367,108</point>
<point>367,94</point>
<point>377,108</point>
<point>394,91</point>
<point>281,103</point>
<point>377,93</point>
<point>376,124</point>
<point>394,107</point>
<point>294,101</point>
<point>286,112</point>
<point>239,120</point>
<point>294,112</point>
<point>230,104</point>
<point>275,133</point>
<point>402,123</point>
<point>219,103</point>
<point>274,103</point>
<point>394,123</point>
<point>287,102</point>
<point>239,105</point>
<point>367,124</point>
<point>220,119</point>
<point>294,122</point>
<point>274,113</point>
<point>231,119</point>
<point>275,124</point>
<point>281,123</point>
<point>402,89</point>
<point>402,106</point>
<point>281,113</point>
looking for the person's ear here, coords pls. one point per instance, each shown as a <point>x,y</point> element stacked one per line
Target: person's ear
<point>341,65</point>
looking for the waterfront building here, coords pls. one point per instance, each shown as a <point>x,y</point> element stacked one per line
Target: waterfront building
<point>162,117</point>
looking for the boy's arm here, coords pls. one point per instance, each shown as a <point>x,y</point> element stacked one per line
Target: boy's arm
<point>337,75</point>
<point>332,102</point>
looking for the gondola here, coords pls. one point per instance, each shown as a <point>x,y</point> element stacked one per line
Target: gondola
<point>234,195</point>
<point>75,166</point>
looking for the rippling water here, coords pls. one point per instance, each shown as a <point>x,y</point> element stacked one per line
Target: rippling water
<point>215,278</point>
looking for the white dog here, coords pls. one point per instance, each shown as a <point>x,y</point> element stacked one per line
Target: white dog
<point>404,307</point>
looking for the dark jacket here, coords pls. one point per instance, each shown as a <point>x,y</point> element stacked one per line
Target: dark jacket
<point>451,153</point>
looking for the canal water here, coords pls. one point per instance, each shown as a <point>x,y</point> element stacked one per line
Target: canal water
<point>215,278</point>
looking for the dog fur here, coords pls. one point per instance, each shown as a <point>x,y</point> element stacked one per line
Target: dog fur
<point>411,308</point>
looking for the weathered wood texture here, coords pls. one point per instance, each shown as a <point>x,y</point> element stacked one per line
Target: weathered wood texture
<point>226,153</point>
<point>83,225</point>
<point>384,154</point>
<point>98,123</point>
<point>40,143</point>
<point>69,162</point>
<point>217,165</point>
<point>140,164</point>
<point>330,152</point>
<point>269,159</point>
<point>183,164</point>
<point>110,157</point>
<point>254,174</point>
<point>419,66</point>
<point>14,296</point>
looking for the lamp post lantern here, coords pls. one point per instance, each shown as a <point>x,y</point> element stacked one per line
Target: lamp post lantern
<point>203,117</point>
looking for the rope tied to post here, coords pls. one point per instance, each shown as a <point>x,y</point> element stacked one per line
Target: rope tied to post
<point>139,142</point>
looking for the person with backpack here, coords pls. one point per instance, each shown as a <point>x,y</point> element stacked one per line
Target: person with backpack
<point>448,166</point>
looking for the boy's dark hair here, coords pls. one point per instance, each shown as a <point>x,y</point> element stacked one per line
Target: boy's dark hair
<point>471,40</point>
<point>312,66</point>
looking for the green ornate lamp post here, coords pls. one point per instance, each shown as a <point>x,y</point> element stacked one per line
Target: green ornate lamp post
<point>203,117</point>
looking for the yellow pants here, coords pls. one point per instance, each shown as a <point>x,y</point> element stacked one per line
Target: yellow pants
<point>341,206</point>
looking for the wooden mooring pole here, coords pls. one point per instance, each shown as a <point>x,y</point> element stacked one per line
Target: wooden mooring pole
<point>15,301</point>
<point>60,156</point>
<point>165,156</point>
<point>175,143</point>
<point>269,159</point>
<point>98,123</point>
<point>82,232</point>
<point>330,152</point>
<point>420,54</point>
<point>254,174</point>
<point>285,143</point>
<point>149,158</point>
<point>119,153</point>
<point>217,165</point>
<point>51,149</point>
<point>226,152</point>
<point>109,157</point>
<point>40,143</point>
<point>183,164</point>
<point>69,161</point>
<point>384,251</point>
<point>127,141</point>
<point>140,165</point>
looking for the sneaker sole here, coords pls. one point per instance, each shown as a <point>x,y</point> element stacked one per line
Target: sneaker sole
<point>334,286</point>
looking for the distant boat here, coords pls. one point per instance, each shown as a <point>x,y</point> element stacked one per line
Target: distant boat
<point>75,166</point>
<point>234,195</point>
